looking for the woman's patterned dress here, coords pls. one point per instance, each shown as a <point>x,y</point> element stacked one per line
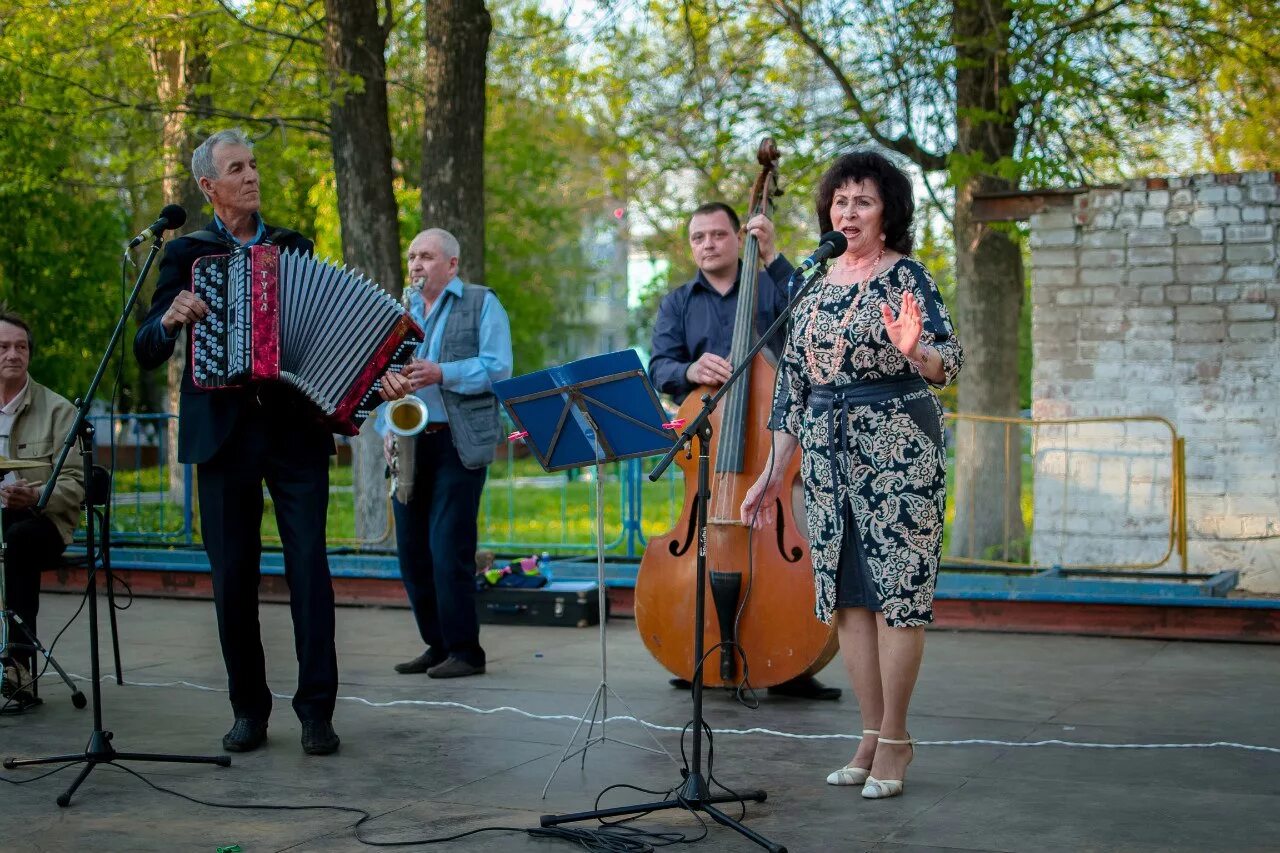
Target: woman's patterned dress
<point>891,462</point>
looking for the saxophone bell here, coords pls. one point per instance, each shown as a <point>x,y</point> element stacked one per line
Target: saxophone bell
<point>407,416</point>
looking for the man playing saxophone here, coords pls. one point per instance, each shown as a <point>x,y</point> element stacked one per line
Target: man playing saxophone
<point>441,468</point>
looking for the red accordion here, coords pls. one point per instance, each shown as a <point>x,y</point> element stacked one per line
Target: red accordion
<point>288,317</point>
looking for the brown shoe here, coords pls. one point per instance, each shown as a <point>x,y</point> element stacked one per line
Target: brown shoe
<point>17,681</point>
<point>421,663</point>
<point>15,688</point>
<point>454,668</point>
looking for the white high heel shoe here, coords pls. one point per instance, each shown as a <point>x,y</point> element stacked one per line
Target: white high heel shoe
<point>849,775</point>
<point>882,789</point>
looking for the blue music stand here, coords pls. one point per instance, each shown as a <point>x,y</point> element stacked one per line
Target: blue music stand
<point>596,409</point>
<point>588,412</point>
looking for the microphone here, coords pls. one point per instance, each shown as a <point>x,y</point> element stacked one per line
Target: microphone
<point>831,245</point>
<point>173,216</point>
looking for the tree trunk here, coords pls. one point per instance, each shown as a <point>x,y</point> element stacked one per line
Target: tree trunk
<point>453,134</point>
<point>360,134</point>
<point>989,291</point>
<point>179,71</point>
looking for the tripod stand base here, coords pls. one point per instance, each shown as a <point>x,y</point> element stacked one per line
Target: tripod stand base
<point>599,706</point>
<point>100,751</point>
<point>694,795</point>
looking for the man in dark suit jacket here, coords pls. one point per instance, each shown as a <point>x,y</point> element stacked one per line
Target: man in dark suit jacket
<point>237,438</point>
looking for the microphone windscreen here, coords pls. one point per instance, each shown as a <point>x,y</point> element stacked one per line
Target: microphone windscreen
<point>175,214</point>
<point>838,242</point>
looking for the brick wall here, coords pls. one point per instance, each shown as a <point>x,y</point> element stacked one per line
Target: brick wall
<point>1160,298</point>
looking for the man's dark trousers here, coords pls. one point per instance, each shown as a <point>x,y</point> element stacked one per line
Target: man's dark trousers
<point>436,540</point>
<point>32,544</point>
<point>261,447</point>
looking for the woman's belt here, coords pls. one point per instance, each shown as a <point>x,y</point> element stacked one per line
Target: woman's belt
<point>836,400</point>
<point>826,397</point>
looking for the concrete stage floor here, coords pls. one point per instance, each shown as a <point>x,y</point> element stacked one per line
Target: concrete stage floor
<point>432,770</point>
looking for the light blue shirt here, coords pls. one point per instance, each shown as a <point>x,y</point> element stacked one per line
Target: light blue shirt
<point>470,375</point>
<point>257,238</point>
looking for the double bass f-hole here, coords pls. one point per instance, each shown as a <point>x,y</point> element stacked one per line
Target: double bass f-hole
<point>678,548</point>
<point>795,553</point>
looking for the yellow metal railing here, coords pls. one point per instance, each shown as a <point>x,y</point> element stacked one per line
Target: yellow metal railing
<point>1177,536</point>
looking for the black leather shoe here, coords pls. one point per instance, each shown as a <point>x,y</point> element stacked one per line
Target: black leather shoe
<point>421,663</point>
<point>806,687</point>
<point>454,668</point>
<point>319,738</point>
<point>245,736</point>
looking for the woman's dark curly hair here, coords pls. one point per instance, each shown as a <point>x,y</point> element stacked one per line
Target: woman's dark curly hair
<point>895,193</point>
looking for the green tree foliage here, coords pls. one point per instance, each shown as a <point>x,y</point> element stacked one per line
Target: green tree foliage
<point>1235,112</point>
<point>80,139</point>
<point>652,107</point>
<point>59,237</point>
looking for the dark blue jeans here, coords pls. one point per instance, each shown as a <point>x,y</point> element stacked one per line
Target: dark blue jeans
<point>436,540</point>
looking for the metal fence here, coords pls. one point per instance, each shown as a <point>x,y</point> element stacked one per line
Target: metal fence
<point>523,509</point>
<point>1105,493</point>
<point>143,506</point>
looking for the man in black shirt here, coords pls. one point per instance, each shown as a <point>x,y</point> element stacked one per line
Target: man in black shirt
<point>694,331</point>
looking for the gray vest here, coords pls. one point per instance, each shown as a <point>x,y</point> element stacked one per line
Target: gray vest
<point>473,418</point>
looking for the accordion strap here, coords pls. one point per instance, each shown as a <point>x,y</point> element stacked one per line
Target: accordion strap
<point>207,236</point>
<point>273,236</point>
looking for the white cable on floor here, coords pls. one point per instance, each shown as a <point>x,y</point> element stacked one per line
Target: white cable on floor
<point>572,718</point>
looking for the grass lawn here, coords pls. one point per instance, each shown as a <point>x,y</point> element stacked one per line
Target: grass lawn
<point>523,507</point>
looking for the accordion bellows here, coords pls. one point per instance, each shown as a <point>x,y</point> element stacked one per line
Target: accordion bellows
<point>286,316</point>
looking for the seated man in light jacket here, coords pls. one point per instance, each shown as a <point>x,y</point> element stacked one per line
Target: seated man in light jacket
<point>33,423</point>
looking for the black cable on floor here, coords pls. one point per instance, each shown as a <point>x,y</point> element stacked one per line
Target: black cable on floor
<point>610,838</point>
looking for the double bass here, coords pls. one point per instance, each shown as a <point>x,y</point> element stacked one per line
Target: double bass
<point>762,625</point>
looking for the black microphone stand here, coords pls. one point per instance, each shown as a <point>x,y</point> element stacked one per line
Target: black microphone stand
<point>99,749</point>
<point>695,792</point>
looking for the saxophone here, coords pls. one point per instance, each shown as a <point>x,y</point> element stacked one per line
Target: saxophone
<point>406,418</point>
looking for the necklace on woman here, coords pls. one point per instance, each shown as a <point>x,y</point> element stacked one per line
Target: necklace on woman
<point>841,344</point>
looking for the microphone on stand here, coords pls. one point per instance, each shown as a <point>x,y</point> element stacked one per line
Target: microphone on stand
<point>830,245</point>
<point>173,216</point>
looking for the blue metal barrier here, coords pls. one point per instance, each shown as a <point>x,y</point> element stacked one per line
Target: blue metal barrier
<point>143,506</point>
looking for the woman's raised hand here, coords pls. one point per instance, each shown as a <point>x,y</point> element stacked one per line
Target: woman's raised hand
<point>904,330</point>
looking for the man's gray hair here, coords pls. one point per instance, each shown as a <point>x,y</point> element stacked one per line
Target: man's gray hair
<point>202,158</point>
<point>448,242</point>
